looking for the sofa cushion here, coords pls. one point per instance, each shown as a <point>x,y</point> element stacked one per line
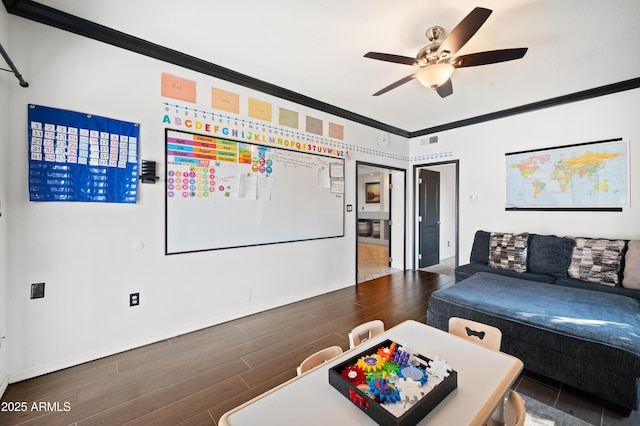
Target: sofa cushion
<point>465,271</point>
<point>586,285</point>
<point>631,277</point>
<point>508,251</point>
<point>597,260</point>
<point>550,255</point>
<point>480,249</point>
<point>608,320</point>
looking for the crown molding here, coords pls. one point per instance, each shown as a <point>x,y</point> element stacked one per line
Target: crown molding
<point>608,89</point>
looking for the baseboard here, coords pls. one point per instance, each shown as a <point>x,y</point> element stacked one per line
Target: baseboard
<point>3,385</point>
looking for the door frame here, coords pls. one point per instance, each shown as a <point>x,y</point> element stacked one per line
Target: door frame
<point>404,210</point>
<point>416,236</point>
<point>428,225</point>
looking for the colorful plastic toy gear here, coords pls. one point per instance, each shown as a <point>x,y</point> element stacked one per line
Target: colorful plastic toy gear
<point>416,374</point>
<point>364,388</point>
<point>385,353</point>
<point>354,375</point>
<point>401,357</point>
<point>374,375</point>
<point>371,363</point>
<point>391,367</point>
<point>410,391</point>
<point>357,399</point>
<point>384,390</point>
<point>439,367</point>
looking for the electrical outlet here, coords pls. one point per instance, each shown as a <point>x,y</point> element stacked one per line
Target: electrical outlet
<point>37,290</point>
<point>134,299</point>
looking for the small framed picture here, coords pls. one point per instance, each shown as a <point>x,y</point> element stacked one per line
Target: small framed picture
<point>372,190</point>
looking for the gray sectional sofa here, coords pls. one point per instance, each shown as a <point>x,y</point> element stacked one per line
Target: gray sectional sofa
<point>569,308</point>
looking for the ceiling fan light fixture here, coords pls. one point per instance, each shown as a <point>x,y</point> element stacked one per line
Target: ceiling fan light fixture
<point>435,75</point>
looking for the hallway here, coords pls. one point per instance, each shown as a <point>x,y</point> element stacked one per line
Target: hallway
<point>373,261</point>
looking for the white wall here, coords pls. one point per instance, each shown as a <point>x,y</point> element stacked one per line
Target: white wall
<point>5,80</point>
<point>481,149</point>
<point>88,253</point>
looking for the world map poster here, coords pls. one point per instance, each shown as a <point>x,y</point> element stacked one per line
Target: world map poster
<point>583,176</point>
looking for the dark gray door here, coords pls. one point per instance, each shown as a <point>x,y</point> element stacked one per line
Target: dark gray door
<point>429,217</point>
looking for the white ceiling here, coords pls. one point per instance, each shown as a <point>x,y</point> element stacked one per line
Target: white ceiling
<point>316,48</point>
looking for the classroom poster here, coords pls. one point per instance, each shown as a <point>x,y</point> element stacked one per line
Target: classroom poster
<point>81,157</point>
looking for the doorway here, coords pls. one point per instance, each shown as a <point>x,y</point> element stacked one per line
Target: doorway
<point>436,217</point>
<point>380,220</point>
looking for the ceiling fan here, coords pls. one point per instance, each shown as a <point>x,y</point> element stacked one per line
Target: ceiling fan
<point>437,61</point>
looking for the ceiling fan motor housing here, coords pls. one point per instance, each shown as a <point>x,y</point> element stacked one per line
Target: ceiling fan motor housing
<point>428,55</point>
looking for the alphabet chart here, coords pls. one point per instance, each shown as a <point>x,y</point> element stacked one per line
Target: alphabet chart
<point>81,157</point>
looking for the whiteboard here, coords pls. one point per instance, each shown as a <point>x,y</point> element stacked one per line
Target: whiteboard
<point>222,193</point>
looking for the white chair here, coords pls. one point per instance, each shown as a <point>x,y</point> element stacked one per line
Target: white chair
<point>365,332</point>
<point>482,334</point>
<point>318,358</point>
<point>512,412</point>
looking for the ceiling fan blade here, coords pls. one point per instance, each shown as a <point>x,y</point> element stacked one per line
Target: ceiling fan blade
<point>445,89</point>
<point>488,57</point>
<point>463,32</point>
<point>388,57</point>
<point>396,84</point>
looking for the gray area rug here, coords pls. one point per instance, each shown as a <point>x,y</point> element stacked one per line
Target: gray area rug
<point>445,267</point>
<point>539,414</point>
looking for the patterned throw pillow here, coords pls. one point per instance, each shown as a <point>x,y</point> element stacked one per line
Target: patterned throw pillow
<point>597,261</point>
<point>508,251</point>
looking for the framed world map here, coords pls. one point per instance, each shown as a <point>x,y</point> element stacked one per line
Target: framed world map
<point>591,176</point>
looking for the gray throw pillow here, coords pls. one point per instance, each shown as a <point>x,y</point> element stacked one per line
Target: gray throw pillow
<point>480,249</point>
<point>550,255</point>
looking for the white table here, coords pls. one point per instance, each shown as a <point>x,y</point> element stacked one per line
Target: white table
<point>484,376</point>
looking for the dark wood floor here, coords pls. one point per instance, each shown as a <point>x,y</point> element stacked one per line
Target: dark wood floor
<point>194,378</point>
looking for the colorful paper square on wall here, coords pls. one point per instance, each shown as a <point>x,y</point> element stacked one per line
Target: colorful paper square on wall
<point>336,131</point>
<point>314,125</point>
<point>288,118</point>
<point>260,109</point>
<point>225,101</point>
<point>178,88</point>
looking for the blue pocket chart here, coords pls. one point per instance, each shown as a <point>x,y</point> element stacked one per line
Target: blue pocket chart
<point>81,157</point>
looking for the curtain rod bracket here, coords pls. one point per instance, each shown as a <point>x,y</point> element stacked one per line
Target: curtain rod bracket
<point>15,71</point>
